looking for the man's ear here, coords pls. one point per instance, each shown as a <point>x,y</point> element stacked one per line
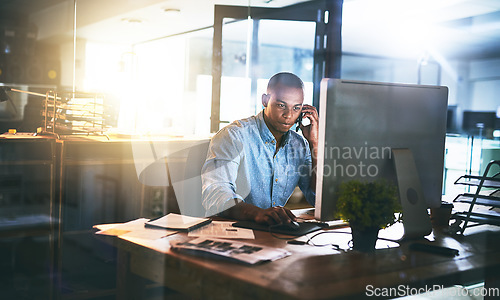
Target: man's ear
<point>265,99</point>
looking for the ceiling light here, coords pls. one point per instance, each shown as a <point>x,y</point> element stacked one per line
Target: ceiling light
<point>171,11</point>
<point>132,21</point>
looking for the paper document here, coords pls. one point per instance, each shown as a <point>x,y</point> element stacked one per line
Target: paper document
<point>104,227</point>
<point>134,228</point>
<point>231,250</point>
<point>221,229</point>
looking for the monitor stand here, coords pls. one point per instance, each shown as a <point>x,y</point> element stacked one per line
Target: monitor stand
<point>416,221</point>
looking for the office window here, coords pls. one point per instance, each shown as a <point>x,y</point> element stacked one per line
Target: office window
<point>385,69</point>
<point>171,86</point>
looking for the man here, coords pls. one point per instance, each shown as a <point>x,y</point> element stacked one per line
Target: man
<point>253,165</point>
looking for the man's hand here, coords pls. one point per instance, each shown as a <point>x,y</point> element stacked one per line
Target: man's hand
<point>274,215</point>
<point>271,216</point>
<point>310,131</point>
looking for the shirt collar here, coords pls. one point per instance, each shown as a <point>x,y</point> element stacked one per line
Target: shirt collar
<point>266,134</point>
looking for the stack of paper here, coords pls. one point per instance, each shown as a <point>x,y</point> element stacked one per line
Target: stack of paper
<point>231,250</point>
<point>223,230</point>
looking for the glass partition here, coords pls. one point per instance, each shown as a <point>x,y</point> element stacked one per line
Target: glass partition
<point>154,62</point>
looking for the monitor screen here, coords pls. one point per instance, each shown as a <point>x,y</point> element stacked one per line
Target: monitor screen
<point>362,122</point>
<point>478,122</point>
<point>451,119</point>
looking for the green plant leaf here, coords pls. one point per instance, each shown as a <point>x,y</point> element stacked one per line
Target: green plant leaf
<point>368,204</point>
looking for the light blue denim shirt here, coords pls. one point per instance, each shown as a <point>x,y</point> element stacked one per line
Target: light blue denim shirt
<point>242,163</point>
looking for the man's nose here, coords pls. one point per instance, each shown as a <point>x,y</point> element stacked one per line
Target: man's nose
<point>287,113</point>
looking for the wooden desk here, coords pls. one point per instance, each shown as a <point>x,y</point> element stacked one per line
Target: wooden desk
<point>310,272</point>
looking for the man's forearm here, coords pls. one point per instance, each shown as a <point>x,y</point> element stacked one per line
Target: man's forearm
<point>241,211</point>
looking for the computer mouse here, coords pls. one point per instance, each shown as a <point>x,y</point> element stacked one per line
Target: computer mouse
<point>294,225</point>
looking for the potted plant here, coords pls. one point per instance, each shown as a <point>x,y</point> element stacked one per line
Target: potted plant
<point>368,207</point>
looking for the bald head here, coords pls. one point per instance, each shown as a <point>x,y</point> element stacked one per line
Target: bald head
<point>284,79</point>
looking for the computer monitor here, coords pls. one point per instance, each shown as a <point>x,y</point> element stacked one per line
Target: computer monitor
<point>451,119</point>
<point>478,123</point>
<point>361,124</point>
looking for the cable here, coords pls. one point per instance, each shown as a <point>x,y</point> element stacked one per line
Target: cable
<point>334,246</point>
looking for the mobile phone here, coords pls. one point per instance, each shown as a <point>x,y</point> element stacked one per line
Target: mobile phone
<point>298,122</point>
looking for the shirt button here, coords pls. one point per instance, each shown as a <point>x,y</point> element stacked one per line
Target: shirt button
<point>276,179</point>
<point>274,203</point>
<point>266,143</point>
<point>273,142</point>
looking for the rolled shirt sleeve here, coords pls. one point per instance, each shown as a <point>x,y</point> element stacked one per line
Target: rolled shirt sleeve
<point>220,171</point>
